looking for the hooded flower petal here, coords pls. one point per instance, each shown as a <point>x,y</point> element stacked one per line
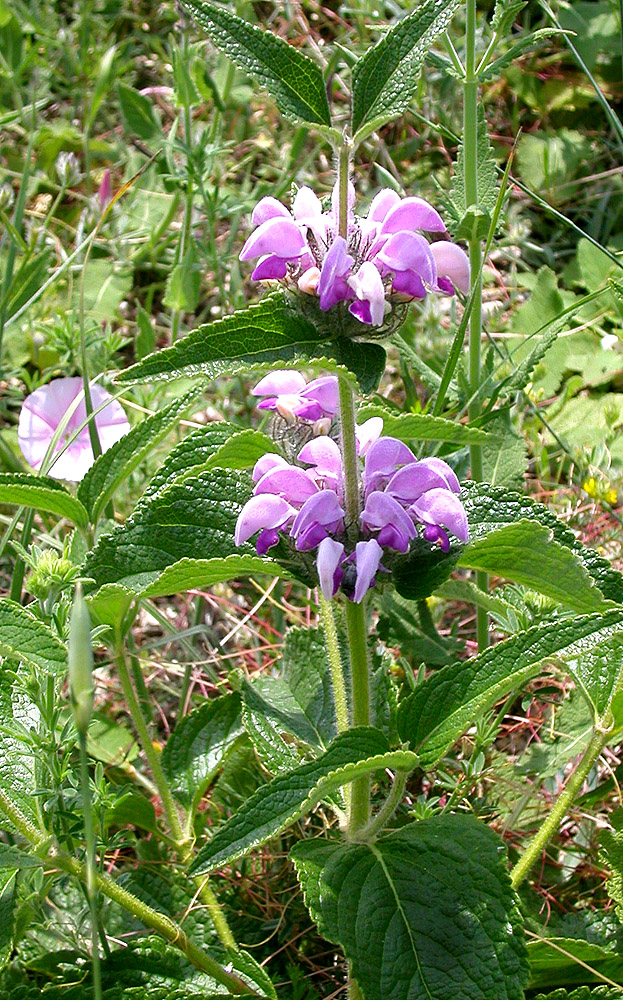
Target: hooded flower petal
<point>328,560</point>
<point>409,252</point>
<point>382,460</point>
<point>323,453</point>
<point>268,208</point>
<point>368,286</point>
<point>336,267</point>
<point>43,411</point>
<point>367,433</point>
<point>384,514</point>
<point>452,265</point>
<point>279,236</point>
<point>279,382</point>
<point>270,268</point>
<point>291,483</point>
<point>441,508</point>
<point>417,478</point>
<point>267,462</point>
<point>412,214</point>
<point>264,511</point>
<point>319,516</point>
<point>368,556</point>
<point>382,203</point>
<point>325,392</point>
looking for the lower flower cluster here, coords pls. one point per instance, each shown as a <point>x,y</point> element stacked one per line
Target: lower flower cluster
<point>401,497</point>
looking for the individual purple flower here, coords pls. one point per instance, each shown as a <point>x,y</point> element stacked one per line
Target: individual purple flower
<point>42,413</point>
<point>329,563</point>
<point>382,257</point>
<point>368,557</point>
<point>292,397</point>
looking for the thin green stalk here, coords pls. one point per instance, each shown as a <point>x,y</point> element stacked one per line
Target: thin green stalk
<point>342,179</point>
<point>378,822</point>
<point>352,500</point>
<point>563,802</point>
<point>335,663</point>
<point>183,843</point>
<point>20,568</point>
<point>356,625</point>
<point>470,160</point>
<point>91,870</point>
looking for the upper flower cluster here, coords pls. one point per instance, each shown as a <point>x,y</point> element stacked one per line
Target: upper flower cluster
<point>383,255</point>
<point>306,501</point>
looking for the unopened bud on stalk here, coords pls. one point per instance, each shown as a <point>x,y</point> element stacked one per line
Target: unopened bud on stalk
<point>80,657</point>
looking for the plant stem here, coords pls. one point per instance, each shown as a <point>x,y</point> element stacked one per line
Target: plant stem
<point>335,663</point>
<point>470,161</point>
<point>342,180</point>
<point>91,870</point>
<point>350,463</point>
<point>183,844</point>
<point>360,679</point>
<point>564,800</point>
<point>159,922</point>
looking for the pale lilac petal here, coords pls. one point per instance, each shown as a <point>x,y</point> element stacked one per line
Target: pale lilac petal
<point>442,508</point>
<point>368,556</point>
<point>325,391</point>
<point>268,208</point>
<point>444,470</point>
<point>452,263</point>
<point>279,236</point>
<point>292,483</point>
<point>265,511</point>
<point>323,453</point>
<point>412,214</point>
<point>330,555</point>
<point>383,458</point>
<point>367,285</point>
<point>417,478</point>
<point>267,462</point>
<point>384,514</point>
<point>367,433</point>
<point>270,268</point>
<point>319,516</point>
<point>306,206</point>
<point>279,383</point>
<point>332,287</point>
<point>409,252</point>
<point>382,203</point>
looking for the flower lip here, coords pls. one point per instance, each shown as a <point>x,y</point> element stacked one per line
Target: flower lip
<point>43,411</point>
<point>263,511</point>
<point>412,214</point>
<point>368,557</point>
<point>441,508</point>
<point>328,560</point>
<point>279,236</point>
<point>291,483</point>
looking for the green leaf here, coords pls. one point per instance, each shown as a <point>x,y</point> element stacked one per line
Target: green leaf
<point>528,41</point>
<point>132,809</point>
<point>42,493</point>
<point>427,911</point>
<point>444,705</point>
<point>562,962</point>
<point>277,805</point>
<point>18,715</point>
<point>266,332</point>
<point>7,914</point>
<point>505,14</point>
<point>487,178</point>
<point>583,993</point>
<point>489,508</point>
<point>424,427</point>
<point>191,574</point>
<point>281,713</point>
<point>400,625</point>
<point>24,637</point>
<point>418,574</point>
<point>184,283</point>
<point>13,858</point>
<point>599,672</point>
<point>291,77</point>
<point>199,744</point>
<point>526,553</point>
<point>113,467</point>
<point>194,516</point>
<point>138,113</point>
<point>384,80</point>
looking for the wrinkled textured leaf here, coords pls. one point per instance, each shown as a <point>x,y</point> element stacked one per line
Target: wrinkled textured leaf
<point>290,76</point>
<point>191,574</point>
<point>195,516</point>
<point>599,671</point>
<point>384,80</point>
<point>418,574</point>
<point>556,962</point>
<point>505,458</point>
<point>113,467</point>
<point>43,494</point>
<point>424,427</point>
<point>17,761</point>
<point>266,332</point>
<point>24,637</point>
<point>199,744</point>
<point>526,553</point>
<point>443,706</point>
<point>278,804</point>
<point>427,911</point>
<point>7,913</point>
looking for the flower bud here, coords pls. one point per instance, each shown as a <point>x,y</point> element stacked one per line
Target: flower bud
<point>67,169</point>
<point>80,658</point>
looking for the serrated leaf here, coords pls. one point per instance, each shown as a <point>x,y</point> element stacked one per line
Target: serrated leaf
<point>8,885</point>
<point>444,705</point>
<point>528,41</point>
<point>18,715</point>
<point>424,427</point>
<point>583,993</point>
<point>418,574</point>
<point>191,574</point>
<point>110,605</point>
<point>42,493</point>
<point>599,672</point>
<point>266,332</point>
<point>563,962</point>
<point>294,80</point>
<point>132,809</point>
<point>427,911</point>
<point>196,515</point>
<point>489,508</point>
<point>505,14</point>
<point>11,858</point>
<point>384,80</point>
<point>522,372</point>
<point>25,637</point>
<point>278,804</point>
<point>487,177</point>
<point>198,745</point>
<point>526,553</point>
<point>113,467</point>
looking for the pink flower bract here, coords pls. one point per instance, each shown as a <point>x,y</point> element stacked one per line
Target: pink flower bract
<point>43,411</point>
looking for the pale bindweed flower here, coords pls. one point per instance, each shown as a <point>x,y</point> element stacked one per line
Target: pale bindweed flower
<point>42,413</point>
